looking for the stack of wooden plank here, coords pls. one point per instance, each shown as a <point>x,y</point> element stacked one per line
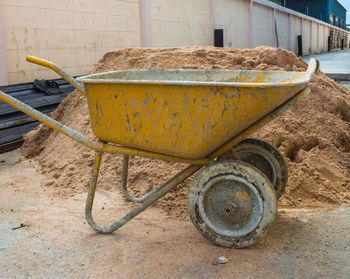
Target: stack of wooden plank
<point>13,123</point>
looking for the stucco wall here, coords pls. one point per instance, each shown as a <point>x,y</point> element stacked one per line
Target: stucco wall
<point>306,37</point>
<point>313,38</point>
<point>76,33</point>
<point>232,17</point>
<point>3,64</point>
<point>295,32</point>
<point>263,32</point>
<point>179,22</point>
<point>72,33</point>
<point>282,29</point>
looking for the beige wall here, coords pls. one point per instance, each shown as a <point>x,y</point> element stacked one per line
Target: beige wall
<point>313,43</point>
<point>3,64</point>
<point>282,29</point>
<point>232,17</point>
<point>306,36</point>
<point>72,33</point>
<point>76,33</point>
<point>295,32</point>
<point>323,34</point>
<point>179,22</point>
<point>326,34</point>
<point>263,34</point>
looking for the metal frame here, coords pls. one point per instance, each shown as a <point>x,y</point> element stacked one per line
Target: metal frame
<point>152,196</point>
<point>157,193</point>
<point>101,147</point>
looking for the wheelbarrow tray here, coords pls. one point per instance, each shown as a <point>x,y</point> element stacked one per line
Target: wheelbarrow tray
<point>183,113</point>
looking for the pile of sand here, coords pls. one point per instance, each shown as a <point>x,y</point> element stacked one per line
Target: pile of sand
<point>313,135</point>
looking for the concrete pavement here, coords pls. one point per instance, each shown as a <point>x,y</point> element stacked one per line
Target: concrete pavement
<point>334,62</point>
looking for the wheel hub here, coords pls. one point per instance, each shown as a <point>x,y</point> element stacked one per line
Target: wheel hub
<point>230,208</point>
<point>230,205</point>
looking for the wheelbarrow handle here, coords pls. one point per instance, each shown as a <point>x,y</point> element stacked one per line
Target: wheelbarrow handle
<point>58,70</point>
<point>314,65</point>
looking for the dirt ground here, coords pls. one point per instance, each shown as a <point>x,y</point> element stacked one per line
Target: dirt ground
<point>56,242</point>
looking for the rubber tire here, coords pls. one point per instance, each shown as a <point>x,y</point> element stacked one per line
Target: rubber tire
<point>272,157</point>
<point>252,176</point>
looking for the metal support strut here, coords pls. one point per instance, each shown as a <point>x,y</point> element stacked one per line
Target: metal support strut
<point>124,179</point>
<point>150,198</point>
<point>159,192</point>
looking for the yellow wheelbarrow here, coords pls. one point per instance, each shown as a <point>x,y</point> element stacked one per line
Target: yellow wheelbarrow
<point>197,117</point>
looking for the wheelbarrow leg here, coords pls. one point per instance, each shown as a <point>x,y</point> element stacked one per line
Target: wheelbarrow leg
<point>124,179</point>
<point>124,182</point>
<point>151,198</point>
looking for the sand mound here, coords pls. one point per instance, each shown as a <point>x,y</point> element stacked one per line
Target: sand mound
<point>314,135</point>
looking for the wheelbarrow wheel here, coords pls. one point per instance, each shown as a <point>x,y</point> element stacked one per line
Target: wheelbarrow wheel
<point>264,156</point>
<point>232,204</point>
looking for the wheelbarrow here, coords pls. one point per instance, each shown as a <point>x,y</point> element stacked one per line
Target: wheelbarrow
<point>198,117</point>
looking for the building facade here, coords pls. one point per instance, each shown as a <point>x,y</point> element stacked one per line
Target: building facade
<point>330,11</point>
<point>75,34</point>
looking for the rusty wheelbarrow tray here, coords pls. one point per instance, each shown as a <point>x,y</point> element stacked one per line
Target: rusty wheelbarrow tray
<point>198,117</point>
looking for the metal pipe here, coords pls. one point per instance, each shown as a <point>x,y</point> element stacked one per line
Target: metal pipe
<point>157,194</point>
<point>125,190</point>
<point>124,182</point>
<point>58,70</point>
<point>301,26</point>
<point>124,179</point>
